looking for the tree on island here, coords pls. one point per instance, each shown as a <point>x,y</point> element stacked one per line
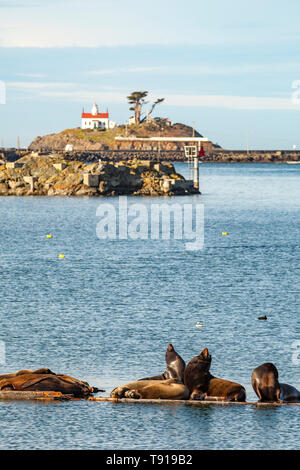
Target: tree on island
<point>137,100</point>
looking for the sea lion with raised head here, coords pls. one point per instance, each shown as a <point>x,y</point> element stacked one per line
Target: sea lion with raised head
<point>175,366</point>
<point>265,383</point>
<point>169,389</point>
<point>204,386</point>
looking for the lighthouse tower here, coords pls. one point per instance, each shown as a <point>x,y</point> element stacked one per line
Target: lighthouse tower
<point>95,109</point>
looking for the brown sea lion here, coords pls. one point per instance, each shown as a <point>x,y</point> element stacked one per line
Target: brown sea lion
<point>170,389</point>
<point>265,383</point>
<point>204,386</point>
<point>26,371</point>
<point>175,366</point>
<point>45,380</point>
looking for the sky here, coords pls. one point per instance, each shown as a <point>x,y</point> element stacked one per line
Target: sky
<point>230,69</point>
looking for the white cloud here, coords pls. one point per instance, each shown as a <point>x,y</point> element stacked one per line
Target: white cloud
<point>39,85</point>
<point>31,75</point>
<point>87,96</point>
<point>75,92</point>
<point>181,100</point>
<point>119,23</point>
<point>117,71</point>
<point>230,102</point>
<point>240,69</point>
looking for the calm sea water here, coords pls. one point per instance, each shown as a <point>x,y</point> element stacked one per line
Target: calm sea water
<point>107,311</point>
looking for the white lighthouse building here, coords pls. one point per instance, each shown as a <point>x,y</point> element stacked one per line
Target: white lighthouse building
<point>96,120</point>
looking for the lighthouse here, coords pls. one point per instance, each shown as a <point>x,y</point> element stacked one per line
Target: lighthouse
<point>96,120</point>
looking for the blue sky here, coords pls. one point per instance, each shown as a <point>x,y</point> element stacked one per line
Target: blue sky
<point>225,67</point>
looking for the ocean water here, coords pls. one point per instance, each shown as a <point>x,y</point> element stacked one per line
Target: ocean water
<point>107,311</point>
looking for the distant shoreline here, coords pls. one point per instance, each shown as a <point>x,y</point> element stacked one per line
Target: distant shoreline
<point>215,156</point>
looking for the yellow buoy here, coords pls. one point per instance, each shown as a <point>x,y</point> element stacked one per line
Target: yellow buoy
<point>49,236</point>
<point>61,255</point>
<point>224,233</point>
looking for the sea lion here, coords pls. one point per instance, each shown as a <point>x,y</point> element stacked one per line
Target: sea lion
<point>175,366</point>
<point>204,386</point>
<point>26,371</point>
<point>289,393</point>
<point>169,389</point>
<point>45,380</point>
<point>265,383</point>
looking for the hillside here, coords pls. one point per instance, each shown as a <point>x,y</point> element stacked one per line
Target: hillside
<point>96,139</point>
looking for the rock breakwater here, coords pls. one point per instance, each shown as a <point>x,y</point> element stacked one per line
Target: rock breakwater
<point>34,175</point>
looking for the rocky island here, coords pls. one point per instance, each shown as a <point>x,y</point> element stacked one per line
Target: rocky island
<point>139,137</point>
<point>137,141</point>
<point>50,175</point>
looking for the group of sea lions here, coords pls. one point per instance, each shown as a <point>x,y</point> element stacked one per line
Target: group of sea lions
<point>195,382</point>
<point>178,382</point>
<point>44,380</point>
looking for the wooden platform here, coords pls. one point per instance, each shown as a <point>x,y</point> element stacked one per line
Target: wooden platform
<point>12,395</point>
<point>188,402</point>
<point>58,396</point>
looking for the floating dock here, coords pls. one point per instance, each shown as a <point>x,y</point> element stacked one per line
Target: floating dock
<point>12,395</point>
<point>187,402</point>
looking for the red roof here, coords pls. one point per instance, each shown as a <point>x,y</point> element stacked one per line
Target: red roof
<point>95,116</point>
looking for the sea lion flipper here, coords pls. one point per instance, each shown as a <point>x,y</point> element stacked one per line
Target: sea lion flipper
<point>132,394</point>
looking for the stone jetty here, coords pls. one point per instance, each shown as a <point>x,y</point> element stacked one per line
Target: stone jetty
<point>35,175</point>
